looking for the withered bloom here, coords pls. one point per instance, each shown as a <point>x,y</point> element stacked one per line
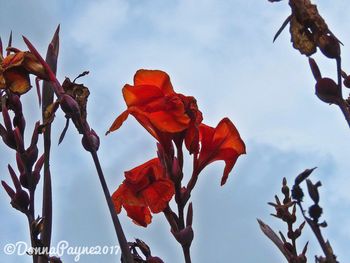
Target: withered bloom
<point>15,70</point>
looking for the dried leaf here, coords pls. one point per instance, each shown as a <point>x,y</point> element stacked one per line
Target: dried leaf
<point>267,230</point>
<point>79,92</point>
<point>301,38</point>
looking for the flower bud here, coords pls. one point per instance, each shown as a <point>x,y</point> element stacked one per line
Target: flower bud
<point>329,46</point>
<point>30,156</point>
<point>346,81</point>
<point>15,103</point>
<point>70,106</point>
<point>176,171</point>
<point>23,178</point>
<point>184,236</point>
<point>185,195</point>
<point>91,141</point>
<point>21,201</point>
<point>328,91</point>
<point>20,122</point>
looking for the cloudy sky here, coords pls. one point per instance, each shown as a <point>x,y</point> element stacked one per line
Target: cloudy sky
<point>222,53</point>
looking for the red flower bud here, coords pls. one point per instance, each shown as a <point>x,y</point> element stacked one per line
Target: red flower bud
<point>91,141</point>
<point>329,46</point>
<point>21,201</point>
<point>15,103</point>
<point>20,122</point>
<point>346,81</point>
<point>70,106</point>
<point>177,174</point>
<point>328,91</point>
<point>184,236</point>
<point>23,178</point>
<point>30,156</point>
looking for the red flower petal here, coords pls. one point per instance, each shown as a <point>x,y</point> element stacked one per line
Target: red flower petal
<point>155,78</point>
<point>155,105</point>
<point>222,143</point>
<point>139,214</point>
<point>118,121</point>
<point>145,187</point>
<point>158,195</point>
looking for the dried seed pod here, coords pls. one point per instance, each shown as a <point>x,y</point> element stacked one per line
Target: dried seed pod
<point>315,212</point>
<point>329,46</point>
<point>297,193</point>
<point>328,91</point>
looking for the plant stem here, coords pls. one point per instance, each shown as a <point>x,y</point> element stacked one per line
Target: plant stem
<point>126,255</point>
<point>32,241</point>
<point>186,251</point>
<point>345,110</point>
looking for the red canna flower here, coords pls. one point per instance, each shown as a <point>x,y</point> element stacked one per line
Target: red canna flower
<point>145,189</point>
<point>161,111</point>
<point>15,70</point>
<point>220,143</point>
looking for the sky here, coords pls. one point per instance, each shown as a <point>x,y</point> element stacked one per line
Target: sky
<point>220,52</point>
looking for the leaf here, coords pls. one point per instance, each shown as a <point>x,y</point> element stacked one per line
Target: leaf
<point>267,230</point>
<point>79,93</point>
<point>63,132</point>
<point>285,23</point>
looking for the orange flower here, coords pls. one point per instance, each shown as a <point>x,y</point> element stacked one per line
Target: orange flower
<point>220,143</point>
<point>145,189</point>
<point>161,111</point>
<point>15,70</point>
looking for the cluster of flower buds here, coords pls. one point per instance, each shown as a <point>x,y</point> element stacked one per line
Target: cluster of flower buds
<point>28,163</point>
<point>286,211</point>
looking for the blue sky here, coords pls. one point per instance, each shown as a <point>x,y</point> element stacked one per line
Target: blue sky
<point>222,53</point>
